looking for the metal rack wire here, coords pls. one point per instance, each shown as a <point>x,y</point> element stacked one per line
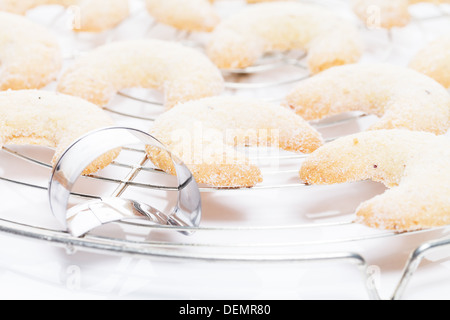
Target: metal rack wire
<point>207,244</point>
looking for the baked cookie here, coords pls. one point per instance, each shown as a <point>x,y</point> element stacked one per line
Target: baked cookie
<point>414,165</point>
<point>190,15</point>
<point>205,132</point>
<point>182,73</point>
<point>386,13</point>
<point>30,56</point>
<point>89,15</point>
<point>243,38</point>
<point>401,97</point>
<point>37,117</point>
<point>434,61</point>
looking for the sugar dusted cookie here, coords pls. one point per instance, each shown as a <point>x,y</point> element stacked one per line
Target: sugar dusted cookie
<point>401,97</point>
<point>414,165</point>
<point>191,15</point>
<point>182,73</point>
<point>30,56</point>
<point>434,60</point>
<point>243,38</point>
<point>37,117</point>
<point>203,134</point>
<point>89,15</point>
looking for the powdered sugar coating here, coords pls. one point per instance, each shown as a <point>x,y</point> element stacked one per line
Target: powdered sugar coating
<point>90,16</point>
<point>203,134</point>
<point>415,165</point>
<point>182,73</point>
<point>402,97</point>
<point>30,56</point>
<point>434,60</point>
<point>191,15</point>
<point>243,38</point>
<point>37,117</point>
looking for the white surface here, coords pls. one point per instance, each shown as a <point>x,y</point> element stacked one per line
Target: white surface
<point>31,269</point>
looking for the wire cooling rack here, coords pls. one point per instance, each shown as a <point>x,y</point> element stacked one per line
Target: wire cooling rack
<point>328,236</point>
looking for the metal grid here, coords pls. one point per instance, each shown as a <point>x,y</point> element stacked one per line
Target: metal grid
<point>204,246</point>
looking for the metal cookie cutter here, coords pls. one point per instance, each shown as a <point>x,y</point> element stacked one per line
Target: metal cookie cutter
<point>81,219</point>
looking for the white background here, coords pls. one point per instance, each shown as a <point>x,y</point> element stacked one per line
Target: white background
<point>30,269</point>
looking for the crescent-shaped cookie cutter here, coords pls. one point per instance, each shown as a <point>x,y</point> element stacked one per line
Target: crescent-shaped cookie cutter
<point>81,219</point>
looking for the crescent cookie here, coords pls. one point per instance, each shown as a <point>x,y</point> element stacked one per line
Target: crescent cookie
<point>50,119</point>
<point>415,165</point>
<point>89,15</point>
<point>191,15</point>
<point>243,38</point>
<point>401,97</point>
<point>434,61</point>
<point>30,56</point>
<point>204,134</point>
<point>386,13</point>
<point>181,72</point>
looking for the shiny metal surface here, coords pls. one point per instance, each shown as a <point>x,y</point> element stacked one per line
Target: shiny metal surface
<point>82,218</point>
<point>323,237</point>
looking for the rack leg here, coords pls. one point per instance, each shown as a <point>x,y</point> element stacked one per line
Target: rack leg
<point>414,261</point>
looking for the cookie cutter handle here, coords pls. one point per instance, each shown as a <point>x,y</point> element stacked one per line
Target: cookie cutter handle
<point>81,219</point>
